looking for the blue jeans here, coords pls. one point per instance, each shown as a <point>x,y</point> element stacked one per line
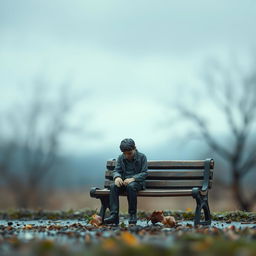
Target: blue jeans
<point>131,189</point>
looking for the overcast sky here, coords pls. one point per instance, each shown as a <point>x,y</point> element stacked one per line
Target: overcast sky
<point>131,55</point>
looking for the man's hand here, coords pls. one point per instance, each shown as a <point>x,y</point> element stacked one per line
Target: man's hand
<point>119,182</point>
<point>129,180</point>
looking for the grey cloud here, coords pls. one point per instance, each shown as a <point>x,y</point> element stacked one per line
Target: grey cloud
<point>134,28</point>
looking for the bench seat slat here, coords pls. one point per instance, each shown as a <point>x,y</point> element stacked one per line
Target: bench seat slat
<point>167,183</point>
<point>152,192</point>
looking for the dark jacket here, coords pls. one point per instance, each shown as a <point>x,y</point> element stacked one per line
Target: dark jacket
<point>141,167</point>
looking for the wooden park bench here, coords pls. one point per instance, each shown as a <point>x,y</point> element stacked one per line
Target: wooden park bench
<point>168,179</point>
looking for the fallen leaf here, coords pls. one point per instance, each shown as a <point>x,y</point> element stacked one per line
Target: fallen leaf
<point>27,226</point>
<point>169,221</point>
<point>231,227</point>
<point>109,244</point>
<point>232,235</point>
<point>129,238</point>
<point>95,220</point>
<point>203,245</point>
<point>156,216</point>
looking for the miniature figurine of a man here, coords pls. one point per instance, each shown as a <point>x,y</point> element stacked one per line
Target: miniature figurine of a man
<point>129,175</point>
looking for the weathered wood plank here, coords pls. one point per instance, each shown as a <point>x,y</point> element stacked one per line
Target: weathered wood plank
<point>169,174</point>
<point>152,192</point>
<point>168,164</point>
<point>167,183</point>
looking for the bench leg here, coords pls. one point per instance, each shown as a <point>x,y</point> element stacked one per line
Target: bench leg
<point>201,204</point>
<point>103,199</point>
<point>104,205</point>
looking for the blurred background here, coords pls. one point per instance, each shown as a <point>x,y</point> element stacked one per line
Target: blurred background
<point>77,77</point>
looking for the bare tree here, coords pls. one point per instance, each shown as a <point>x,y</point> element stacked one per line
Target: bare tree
<point>30,148</point>
<point>233,92</point>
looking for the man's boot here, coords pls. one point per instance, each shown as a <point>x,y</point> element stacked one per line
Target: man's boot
<point>133,218</point>
<point>113,219</point>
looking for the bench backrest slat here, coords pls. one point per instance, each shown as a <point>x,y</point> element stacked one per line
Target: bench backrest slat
<point>166,164</point>
<point>169,174</point>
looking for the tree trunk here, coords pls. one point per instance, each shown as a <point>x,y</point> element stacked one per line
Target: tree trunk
<point>237,192</point>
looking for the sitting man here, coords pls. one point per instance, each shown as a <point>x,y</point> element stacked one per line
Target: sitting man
<point>129,175</point>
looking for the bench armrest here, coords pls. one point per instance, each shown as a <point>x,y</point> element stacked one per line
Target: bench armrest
<point>207,167</point>
<point>93,191</point>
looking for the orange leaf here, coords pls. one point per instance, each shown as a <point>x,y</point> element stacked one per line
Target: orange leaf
<point>156,216</point>
<point>169,221</point>
<point>109,244</point>
<point>96,220</point>
<point>129,238</point>
<point>27,226</point>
